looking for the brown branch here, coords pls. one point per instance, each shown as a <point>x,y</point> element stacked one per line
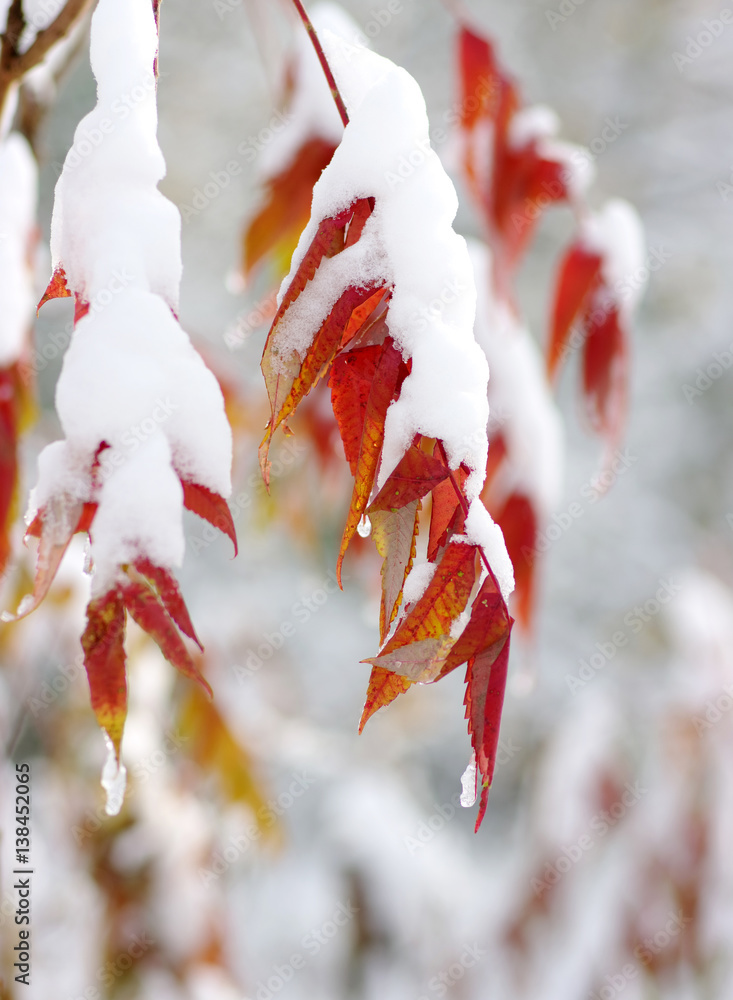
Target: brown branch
<point>14,64</point>
<point>335,92</point>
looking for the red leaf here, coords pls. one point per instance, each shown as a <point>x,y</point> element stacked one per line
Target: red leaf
<point>518,522</point>
<point>416,474</point>
<point>388,376</point>
<point>485,686</point>
<point>56,289</point>
<point>103,643</point>
<point>350,381</point>
<point>171,597</point>
<point>211,507</point>
<point>605,374</point>
<point>152,618</point>
<point>489,621</point>
<point>580,273</point>
<point>445,505</point>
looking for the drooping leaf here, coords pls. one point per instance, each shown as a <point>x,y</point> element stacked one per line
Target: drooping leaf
<point>395,536</point>
<point>605,374</point>
<point>384,687</point>
<point>420,661</point>
<point>388,375</point>
<point>103,643</point>
<point>291,378</point>
<point>518,522</point>
<point>443,511</point>
<point>488,623</point>
<point>170,596</point>
<point>276,228</point>
<point>579,275</point>
<point>145,608</point>
<point>211,507</point>
<point>485,686</point>
<point>350,381</point>
<point>416,474</point>
<point>443,601</point>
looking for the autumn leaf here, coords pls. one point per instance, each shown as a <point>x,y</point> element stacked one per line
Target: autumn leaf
<point>395,536</point>
<point>170,597</point>
<point>211,507</point>
<point>384,687</point>
<point>420,661</point>
<point>388,375</point>
<point>276,228</point>
<point>580,273</point>
<point>443,601</point>
<point>416,474</point>
<point>103,643</point>
<point>148,612</point>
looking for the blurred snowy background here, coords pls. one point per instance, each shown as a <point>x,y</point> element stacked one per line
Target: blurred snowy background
<point>300,859</point>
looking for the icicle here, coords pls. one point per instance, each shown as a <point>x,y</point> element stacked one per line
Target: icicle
<point>468,784</point>
<point>114,779</point>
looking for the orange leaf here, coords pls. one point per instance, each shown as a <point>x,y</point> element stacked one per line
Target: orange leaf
<point>444,599</point>
<point>579,274</point>
<point>384,687</point>
<point>288,197</point>
<point>211,507</point>
<point>170,596</point>
<point>152,618</point>
<point>103,643</point>
<point>395,535</point>
<point>388,376</point>
<point>415,475</point>
<point>489,621</point>
<point>291,378</point>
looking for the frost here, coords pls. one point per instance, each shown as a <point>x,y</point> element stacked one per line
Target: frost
<point>114,779</point>
<point>468,784</point>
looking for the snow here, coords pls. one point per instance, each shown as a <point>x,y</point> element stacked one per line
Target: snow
<point>432,310</point>
<point>18,199</point>
<point>540,124</point>
<point>617,234</point>
<point>521,402</point>
<point>130,378</point>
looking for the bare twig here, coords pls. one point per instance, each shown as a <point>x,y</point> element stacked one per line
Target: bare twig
<point>14,64</point>
<point>335,93</point>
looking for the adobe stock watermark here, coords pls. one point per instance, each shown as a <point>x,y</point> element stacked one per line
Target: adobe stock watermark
<point>247,322</point>
<point>715,709</point>
<point>710,374</point>
<point>302,611</point>
<point>287,458</point>
<point>437,821</point>
<point>625,288</point>
<point>219,180</point>
<point>311,944</point>
<point>600,825</point>
<point>582,158</point>
<point>267,816</point>
<point>39,359</point>
<point>562,521</point>
<point>441,984</point>
<point>646,952</point>
<point>566,9</point>
<point>95,819</point>
<point>112,970</point>
<point>696,44</point>
<point>635,620</point>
